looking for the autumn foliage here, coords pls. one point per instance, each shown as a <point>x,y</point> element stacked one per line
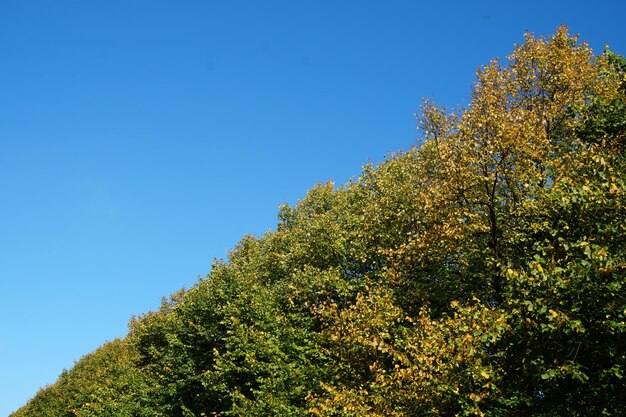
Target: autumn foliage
<point>482,272</point>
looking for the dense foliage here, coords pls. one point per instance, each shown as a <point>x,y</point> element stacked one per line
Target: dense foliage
<point>481,273</point>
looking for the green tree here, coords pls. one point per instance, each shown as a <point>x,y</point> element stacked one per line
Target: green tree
<point>480,273</point>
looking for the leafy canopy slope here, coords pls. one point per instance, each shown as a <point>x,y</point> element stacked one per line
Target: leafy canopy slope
<point>481,273</point>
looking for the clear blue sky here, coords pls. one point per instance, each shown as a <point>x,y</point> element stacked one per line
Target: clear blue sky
<point>141,139</point>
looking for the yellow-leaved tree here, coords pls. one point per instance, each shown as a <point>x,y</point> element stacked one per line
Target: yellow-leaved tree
<point>444,327</point>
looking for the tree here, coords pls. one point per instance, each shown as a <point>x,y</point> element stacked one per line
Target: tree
<point>480,273</point>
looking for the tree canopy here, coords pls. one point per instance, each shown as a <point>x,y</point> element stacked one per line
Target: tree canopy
<point>481,272</point>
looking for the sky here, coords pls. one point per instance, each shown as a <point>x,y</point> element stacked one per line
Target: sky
<point>140,140</point>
